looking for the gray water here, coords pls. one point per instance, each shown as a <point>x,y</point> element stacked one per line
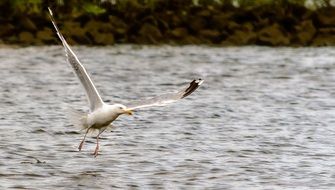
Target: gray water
<point>263,119</point>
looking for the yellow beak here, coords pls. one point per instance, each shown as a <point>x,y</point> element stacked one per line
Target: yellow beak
<point>128,111</point>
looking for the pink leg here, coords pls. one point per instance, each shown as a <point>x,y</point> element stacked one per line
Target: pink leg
<point>82,142</point>
<point>97,147</point>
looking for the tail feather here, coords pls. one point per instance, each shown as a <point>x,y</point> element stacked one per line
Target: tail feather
<point>77,118</point>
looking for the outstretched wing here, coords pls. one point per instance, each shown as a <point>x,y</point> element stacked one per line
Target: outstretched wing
<point>168,98</point>
<point>93,96</point>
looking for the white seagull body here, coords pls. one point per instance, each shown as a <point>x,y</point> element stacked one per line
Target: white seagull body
<point>101,115</point>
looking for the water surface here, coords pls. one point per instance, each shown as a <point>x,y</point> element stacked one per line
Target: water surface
<point>263,119</point>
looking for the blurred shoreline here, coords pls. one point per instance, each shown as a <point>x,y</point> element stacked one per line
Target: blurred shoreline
<point>174,23</point>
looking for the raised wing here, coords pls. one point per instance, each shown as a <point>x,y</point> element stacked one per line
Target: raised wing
<point>93,96</point>
<point>168,98</point>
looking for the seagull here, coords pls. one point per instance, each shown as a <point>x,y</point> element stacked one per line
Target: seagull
<point>101,114</point>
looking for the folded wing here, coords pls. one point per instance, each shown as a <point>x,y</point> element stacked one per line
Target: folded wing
<point>168,98</point>
<point>93,96</point>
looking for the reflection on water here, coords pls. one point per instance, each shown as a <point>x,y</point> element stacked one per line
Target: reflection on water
<point>264,119</point>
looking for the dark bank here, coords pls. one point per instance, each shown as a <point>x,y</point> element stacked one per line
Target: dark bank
<point>223,22</point>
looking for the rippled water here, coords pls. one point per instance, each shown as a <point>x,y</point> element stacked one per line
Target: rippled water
<point>263,119</point>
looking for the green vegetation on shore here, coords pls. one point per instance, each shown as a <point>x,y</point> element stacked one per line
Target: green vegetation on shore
<point>219,22</point>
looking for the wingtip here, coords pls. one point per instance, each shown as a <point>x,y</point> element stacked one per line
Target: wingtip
<point>50,11</point>
<point>193,86</point>
<point>199,81</point>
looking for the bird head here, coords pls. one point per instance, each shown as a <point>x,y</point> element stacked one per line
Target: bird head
<point>122,109</point>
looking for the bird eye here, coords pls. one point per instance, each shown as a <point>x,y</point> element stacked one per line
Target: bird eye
<point>120,108</point>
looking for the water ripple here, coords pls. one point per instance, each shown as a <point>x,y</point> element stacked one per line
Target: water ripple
<point>263,119</point>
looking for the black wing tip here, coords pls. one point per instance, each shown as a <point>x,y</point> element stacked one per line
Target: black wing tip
<point>193,86</point>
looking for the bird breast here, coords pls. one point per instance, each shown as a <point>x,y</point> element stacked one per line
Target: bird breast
<point>101,118</point>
